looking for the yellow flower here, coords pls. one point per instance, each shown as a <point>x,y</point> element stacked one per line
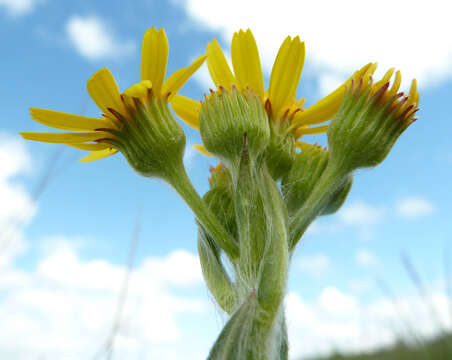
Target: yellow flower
<point>280,98</point>
<point>97,134</point>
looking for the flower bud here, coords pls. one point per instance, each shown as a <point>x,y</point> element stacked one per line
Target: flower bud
<point>219,200</point>
<point>369,121</point>
<point>226,117</point>
<point>219,197</point>
<point>304,175</point>
<point>280,153</point>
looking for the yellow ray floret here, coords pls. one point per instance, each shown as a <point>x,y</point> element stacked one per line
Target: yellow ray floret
<point>93,133</point>
<point>65,121</point>
<point>104,91</point>
<point>175,82</point>
<point>325,109</point>
<point>202,150</point>
<point>98,155</point>
<point>187,109</point>
<point>246,62</point>
<point>286,75</point>
<point>218,66</point>
<point>154,57</point>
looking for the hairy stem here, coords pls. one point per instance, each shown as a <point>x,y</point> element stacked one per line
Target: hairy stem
<point>180,181</point>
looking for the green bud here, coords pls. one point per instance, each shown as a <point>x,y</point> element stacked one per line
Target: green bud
<point>217,279</point>
<point>226,117</point>
<point>219,200</point>
<point>150,138</point>
<point>220,177</point>
<point>280,153</point>
<point>368,123</point>
<point>338,197</point>
<point>305,174</point>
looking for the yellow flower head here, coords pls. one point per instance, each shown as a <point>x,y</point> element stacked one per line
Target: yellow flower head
<point>97,134</point>
<point>280,98</point>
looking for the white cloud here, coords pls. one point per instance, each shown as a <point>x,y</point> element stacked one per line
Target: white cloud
<point>365,257</point>
<point>341,37</point>
<point>360,213</point>
<point>335,301</point>
<point>19,7</point>
<point>414,207</point>
<point>314,264</point>
<point>16,207</point>
<point>360,286</point>
<point>337,321</point>
<point>203,77</point>
<point>93,40</point>
<point>64,308</point>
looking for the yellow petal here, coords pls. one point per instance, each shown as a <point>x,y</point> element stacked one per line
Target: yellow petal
<point>139,90</point>
<point>395,85</point>
<point>187,109</point>
<point>175,82</point>
<point>413,96</point>
<point>103,90</point>
<point>98,154</point>
<point>218,66</point>
<point>286,74</point>
<point>202,150</point>
<point>65,138</point>
<point>91,146</point>
<point>154,57</point>
<point>325,109</point>
<point>377,86</point>
<point>310,131</point>
<point>246,62</point>
<point>65,121</point>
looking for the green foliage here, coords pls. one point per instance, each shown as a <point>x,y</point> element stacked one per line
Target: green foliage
<point>438,348</point>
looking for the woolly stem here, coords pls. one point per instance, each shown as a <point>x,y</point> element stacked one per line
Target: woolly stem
<point>179,180</point>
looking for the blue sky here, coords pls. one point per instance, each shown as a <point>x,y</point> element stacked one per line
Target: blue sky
<point>63,256</point>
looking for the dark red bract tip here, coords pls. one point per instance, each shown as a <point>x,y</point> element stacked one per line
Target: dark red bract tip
<point>268,106</point>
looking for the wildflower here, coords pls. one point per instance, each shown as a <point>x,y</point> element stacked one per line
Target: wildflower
<point>367,124</point>
<point>371,118</point>
<point>135,122</point>
<point>288,118</point>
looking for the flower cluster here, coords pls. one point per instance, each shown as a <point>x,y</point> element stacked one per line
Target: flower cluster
<point>268,187</point>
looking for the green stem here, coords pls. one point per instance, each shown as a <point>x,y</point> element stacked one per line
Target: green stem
<point>180,181</point>
<point>332,178</point>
